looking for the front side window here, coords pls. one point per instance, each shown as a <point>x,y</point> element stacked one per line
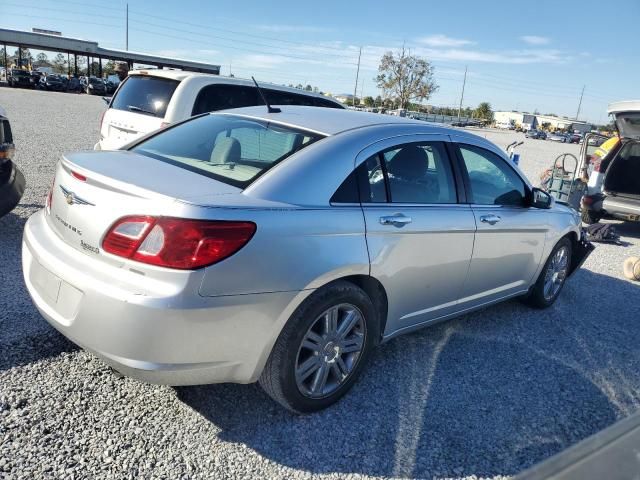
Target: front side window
<point>419,173</point>
<point>231,149</point>
<point>492,181</point>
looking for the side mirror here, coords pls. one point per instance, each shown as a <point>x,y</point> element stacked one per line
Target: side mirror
<point>540,198</point>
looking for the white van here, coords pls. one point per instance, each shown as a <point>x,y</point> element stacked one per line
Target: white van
<point>150,99</point>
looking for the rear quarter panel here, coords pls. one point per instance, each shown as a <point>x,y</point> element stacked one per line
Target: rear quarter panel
<point>292,250</point>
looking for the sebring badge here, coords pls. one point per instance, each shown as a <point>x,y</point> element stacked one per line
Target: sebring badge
<point>73,198</point>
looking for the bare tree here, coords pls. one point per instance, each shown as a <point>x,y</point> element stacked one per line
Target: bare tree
<point>405,77</point>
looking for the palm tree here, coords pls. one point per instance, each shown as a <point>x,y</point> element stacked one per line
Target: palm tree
<point>484,111</point>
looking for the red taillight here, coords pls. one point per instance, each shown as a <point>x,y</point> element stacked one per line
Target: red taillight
<point>79,176</point>
<point>176,242</point>
<point>47,203</point>
<point>588,200</point>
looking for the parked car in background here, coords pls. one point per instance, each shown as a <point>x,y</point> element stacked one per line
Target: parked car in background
<point>51,82</point>
<point>74,85</point>
<point>110,86</point>
<point>150,99</point>
<point>283,247</point>
<point>95,86</point>
<point>35,78</point>
<point>614,180</point>
<point>19,78</point>
<point>12,182</point>
<point>557,137</point>
<point>535,134</point>
<point>576,138</point>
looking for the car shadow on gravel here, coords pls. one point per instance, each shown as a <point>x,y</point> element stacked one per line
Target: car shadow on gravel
<point>490,393</point>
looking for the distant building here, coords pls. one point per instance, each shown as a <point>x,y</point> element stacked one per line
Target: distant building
<point>528,121</point>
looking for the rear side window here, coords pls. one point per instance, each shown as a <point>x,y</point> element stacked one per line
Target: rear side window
<point>145,94</point>
<point>221,97</point>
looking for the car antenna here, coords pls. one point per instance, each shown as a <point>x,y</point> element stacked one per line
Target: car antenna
<point>270,109</point>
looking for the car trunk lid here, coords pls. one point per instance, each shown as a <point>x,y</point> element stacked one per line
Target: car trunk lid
<point>92,190</point>
<point>626,115</point>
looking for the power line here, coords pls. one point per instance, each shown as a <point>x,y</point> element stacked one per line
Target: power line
<point>64,20</point>
<point>208,35</point>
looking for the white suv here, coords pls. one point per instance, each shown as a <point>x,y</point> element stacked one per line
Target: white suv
<point>150,99</point>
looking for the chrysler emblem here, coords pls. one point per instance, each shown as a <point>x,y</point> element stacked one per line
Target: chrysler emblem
<point>72,198</point>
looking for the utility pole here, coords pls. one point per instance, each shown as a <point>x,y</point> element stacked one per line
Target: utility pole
<point>580,103</point>
<point>464,82</point>
<point>127,30</point>
<point>355,89</point>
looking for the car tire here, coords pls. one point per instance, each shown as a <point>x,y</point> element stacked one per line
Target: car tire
<point>589,216</point>
<point>304,379</point>
<point>552,278</point>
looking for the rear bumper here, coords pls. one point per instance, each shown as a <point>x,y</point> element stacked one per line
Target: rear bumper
<point>12,185</point>
<point>622,207</point>
<point>172,336</point>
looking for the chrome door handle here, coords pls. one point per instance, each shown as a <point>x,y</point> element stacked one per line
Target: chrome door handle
<point>397,220</point>
<point>490,219</point>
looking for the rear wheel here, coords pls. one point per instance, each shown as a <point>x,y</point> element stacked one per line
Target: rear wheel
<point>589,216</point>
<point>552,277</point>
<point>322,349</point>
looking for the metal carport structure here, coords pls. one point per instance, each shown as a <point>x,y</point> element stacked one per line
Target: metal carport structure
<point>90,49</point>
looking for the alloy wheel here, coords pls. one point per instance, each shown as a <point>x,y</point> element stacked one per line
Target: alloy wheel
<point>556,273</point>
<point>330,350</point>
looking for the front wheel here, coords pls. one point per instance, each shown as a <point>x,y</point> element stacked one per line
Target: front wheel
<point>552,277</point>
<point>322,349</point>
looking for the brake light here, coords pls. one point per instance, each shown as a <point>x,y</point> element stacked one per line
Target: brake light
<point>176,242</point>
<point>79,176</point>
<point>588,200</point>
<point>47,203</point>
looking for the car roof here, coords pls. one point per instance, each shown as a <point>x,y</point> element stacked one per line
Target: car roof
<point>327,121</point>
<point>202,78</point>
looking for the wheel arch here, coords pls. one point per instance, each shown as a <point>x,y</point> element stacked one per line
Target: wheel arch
<point>376,292</point>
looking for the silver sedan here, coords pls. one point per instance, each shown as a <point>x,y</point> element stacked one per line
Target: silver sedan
<point>282,247</point>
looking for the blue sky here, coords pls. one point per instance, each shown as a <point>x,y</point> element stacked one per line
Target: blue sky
<point>520,55</point>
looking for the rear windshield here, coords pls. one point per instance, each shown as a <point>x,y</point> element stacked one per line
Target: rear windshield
<point>144,94</point>
<point>95,81</point>
<point>231,149</point>
<point>19,73</point>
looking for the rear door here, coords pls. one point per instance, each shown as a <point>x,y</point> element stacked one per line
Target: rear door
<point>419,231</point>
<point>138,107</point>
<point>510,236</point>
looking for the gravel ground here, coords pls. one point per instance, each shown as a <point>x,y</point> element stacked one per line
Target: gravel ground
<point>485,395</point>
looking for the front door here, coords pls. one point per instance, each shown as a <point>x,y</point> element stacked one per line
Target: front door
<point>510,235</point>
<point>419,236</point>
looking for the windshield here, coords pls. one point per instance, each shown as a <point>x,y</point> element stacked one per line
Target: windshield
<point>145,94</point>
<point>19,73</point>
<point>231,149</point>
<point>95,81</point>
